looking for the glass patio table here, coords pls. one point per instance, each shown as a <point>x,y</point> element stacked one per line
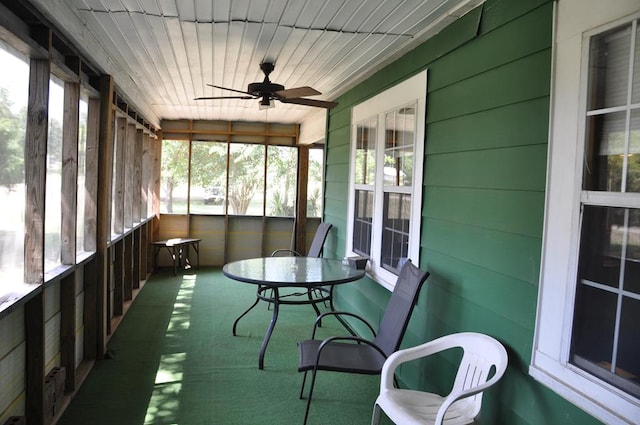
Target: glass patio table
<point>311,275</point>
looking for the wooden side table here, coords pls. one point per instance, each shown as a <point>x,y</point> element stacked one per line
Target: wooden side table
<point>178,249</point>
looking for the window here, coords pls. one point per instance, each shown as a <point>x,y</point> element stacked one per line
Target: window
<point>175,173</point>
<point>386,178</point>
<point>82,165</point>
<point>246,179</point>
<point>606,323</point>
<point>194,178</point>
<point>53,201</point>
<point>590,269</point>
<point>314,183</point>
<point>208,178</point>
<point>14,87</point>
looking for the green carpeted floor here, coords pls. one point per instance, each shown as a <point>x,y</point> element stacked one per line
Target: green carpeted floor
<point>174,361</point>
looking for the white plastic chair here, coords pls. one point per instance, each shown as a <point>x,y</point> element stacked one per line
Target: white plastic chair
<point>462,405</point>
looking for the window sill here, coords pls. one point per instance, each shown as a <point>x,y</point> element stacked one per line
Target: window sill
<point>594,397</point>
<point>16,295</point>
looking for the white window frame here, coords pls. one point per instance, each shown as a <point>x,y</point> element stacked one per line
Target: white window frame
<point>412,91</point>
<point>575,22</point>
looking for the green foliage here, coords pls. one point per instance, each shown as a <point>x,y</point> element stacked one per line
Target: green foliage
<point>175,164</point>
<point>246,175</point>
<point>12,133</point>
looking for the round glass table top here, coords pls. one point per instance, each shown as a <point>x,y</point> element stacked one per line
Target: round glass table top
<point>292,271</point>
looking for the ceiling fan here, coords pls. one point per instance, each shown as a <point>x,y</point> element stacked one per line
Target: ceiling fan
<point>267,92</point>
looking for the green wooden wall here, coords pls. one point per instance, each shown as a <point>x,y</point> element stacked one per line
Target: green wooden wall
<point>489,76</point>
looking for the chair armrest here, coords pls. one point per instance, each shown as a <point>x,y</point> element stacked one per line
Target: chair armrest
<point>459,395</point>
<point>409,354</point>
<point>290,251</point>
<point>356,339</point>
<point>339,313</point>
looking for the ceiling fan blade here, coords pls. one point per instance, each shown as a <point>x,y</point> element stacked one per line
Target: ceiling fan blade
<point>297,92</point>
<point>311,102</point>
<point>223,97</point>
<point>227,88</point>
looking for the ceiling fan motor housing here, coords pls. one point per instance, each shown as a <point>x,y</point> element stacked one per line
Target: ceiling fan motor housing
<point>266,87</point>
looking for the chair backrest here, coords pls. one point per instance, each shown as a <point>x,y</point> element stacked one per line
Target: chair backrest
<point>481,354</point>
<point>398,312</point>
<point>315,250</point>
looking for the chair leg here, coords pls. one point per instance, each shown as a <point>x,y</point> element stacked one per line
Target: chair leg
<point>304,379</point>
<point>375,417</point>
<point>306,412</point>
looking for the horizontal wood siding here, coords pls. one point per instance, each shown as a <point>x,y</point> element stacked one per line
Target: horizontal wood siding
<point>12,364</point>
<point>483,202</point>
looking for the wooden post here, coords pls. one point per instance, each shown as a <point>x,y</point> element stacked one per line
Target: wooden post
<point>34,331</point>
<point>103,221</point>
<point>119,177</point>
<point>35,177</point>
<point>68,330</point>
<point>301,202</point>
<point>129,175</point>
<point>146,177</point>
<point>70,129</point>
<point>91,174</point>
<point>70,172</point>
<point>137,176</point>
<point>35,170</point>
<point>127,268</point>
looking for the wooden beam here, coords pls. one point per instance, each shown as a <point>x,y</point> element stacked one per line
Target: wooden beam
<point>136,255</point>
<point>68,330</point>
<point>91,174</point>
<point>119,177</point>
<point>103,219</point>
<point>127,268</point>
<point>301,202</point>
<point>119,251</point>
<point>35,170</point>
<point>146,177</point>
<point>129,175</point>
<point>137,176</point>
<point>155,183</point>
<point>34,332</point>
<point>89,312</point>
<point>70,130</point>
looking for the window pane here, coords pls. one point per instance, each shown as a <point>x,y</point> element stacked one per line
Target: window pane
<point>601,245</point>
<point>593,328</point>
<point>246,179</point>
<point>609,68</point>
<point>282,172</point>
<point>633,170</point>
<point>398,151</point>
<point>628,353</point>
<point>314,186</point>
<point>607,320</point>
<point>14,88</point>
<point>208,177</point>
<point>636,69</point>
<point>365,161</point>
<point>362,222</point>
<point>52,241</point>
<point>605,152</point>
<point>395,232</point>
<point>631,249</point>
<point>175,171</point>
<point>82,164</point>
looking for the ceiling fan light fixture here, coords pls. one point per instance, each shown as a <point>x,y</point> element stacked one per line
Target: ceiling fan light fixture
<point>266,103</point>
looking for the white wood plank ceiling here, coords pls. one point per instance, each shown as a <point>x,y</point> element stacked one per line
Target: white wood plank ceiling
<point>163,53</point>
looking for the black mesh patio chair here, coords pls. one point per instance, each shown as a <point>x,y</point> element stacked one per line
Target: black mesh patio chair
<point>315,250</point>
<point>354,354</point>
